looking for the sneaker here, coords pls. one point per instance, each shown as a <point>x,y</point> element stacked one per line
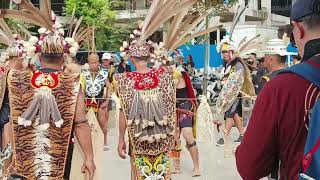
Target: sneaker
<point>239,139</point>
<point>220,143</point>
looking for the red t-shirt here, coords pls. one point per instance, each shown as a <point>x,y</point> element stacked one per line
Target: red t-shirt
<point>277,130</point>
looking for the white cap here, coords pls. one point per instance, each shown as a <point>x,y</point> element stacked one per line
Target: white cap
<point>106,56</point>
<point>277,46</point>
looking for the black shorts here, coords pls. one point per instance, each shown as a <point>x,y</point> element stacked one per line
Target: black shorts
<point>185,121</point>
<point>236,108</point>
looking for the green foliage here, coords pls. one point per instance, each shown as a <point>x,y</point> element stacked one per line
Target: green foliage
<point>119,5</point>
<point>217,6</point>
<point>95,12</point>
<point>111,38</point>
<point>101,13</point>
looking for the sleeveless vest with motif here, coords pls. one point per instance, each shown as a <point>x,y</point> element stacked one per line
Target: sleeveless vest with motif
<point>148,102</point>
<point>94,86</point>
<point>41,139</point>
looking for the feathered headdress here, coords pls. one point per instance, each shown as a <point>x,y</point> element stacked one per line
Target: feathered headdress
<point>181,29</point>
<point>51,39</point>
<point>79,33</point>
<point>159,12</point>
<point>91,43</point>
<point>227,43</point>
<point>13,41</point>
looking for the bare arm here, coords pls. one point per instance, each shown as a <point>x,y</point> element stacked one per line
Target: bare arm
<point>82,128</point>
<point>122,149</point>
<point>83,134</point>
<point>122,125</point>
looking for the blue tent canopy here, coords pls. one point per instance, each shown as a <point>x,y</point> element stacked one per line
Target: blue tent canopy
<point>198,54</point>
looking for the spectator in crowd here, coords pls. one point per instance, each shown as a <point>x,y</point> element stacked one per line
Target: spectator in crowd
<point>123,67</point>
<point>274,61</point>
<point>181,66</point>
<point>106,60</point>
<point>253,58</point>
<point>296,59</point>
<point>190,66</point>
<point>277,130</point>
<point>262,70</point>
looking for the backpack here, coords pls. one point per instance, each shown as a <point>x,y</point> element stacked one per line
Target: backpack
<point>311,158</point>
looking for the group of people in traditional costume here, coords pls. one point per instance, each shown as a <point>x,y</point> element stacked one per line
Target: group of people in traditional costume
<point>45,103</point>
<point>53,109</point>
<point>55,113</point>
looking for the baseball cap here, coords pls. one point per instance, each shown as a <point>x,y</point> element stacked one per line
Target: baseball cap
<point>106,56</point>
<point>304,8</point>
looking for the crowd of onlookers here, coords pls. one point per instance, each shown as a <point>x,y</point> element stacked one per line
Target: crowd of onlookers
<point>277,139</point>
<point>260,68</point>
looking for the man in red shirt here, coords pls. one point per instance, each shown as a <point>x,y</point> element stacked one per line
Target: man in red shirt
<point>277,130</point>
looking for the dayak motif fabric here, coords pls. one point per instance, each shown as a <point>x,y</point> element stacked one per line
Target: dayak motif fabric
<point>94,85</point>
<point>152,167</point>
<point>40,151</point>
<point>148,101</point>
<point>230,91</point>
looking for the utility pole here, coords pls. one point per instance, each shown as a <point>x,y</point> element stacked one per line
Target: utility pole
<point>207,54</point>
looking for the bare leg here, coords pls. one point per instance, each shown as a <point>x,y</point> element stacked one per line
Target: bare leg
<point>133,170</point>
<point>227,148</point>
<point>229,123</point>
<point>175,154</point>
<point>193,149</point>
<point>103,116</point>
<point>238,123</point>
<point>6,135</point>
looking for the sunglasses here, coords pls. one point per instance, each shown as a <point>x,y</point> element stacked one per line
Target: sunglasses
<point>224,52</point>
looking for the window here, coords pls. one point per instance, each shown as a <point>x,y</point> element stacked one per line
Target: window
<point>259,5</point>
<point>281,7</point>
<point>246,2</point>
<point>4,4</point>
<point>56,5</point>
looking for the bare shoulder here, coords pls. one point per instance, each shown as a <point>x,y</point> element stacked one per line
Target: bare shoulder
<point>72,68</point>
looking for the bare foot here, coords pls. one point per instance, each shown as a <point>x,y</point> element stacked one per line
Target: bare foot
<point>176,171</point>
<point>196,173</point>
<point>106,148</point>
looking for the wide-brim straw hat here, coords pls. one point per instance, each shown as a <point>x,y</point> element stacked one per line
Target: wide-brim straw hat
<point>276,47</point>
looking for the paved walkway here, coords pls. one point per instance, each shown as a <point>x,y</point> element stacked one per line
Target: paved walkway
<point>214,166</point>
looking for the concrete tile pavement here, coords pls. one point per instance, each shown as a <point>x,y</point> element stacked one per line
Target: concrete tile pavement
<point>213,164</point>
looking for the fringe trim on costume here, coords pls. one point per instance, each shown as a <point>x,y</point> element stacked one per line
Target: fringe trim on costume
<point>59,123</point>
<point>24,122</point>
<point>205,122</point>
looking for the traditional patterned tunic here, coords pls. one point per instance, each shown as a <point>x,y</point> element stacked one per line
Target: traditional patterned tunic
<point>42,114</point>
<point>148,102</point>
<point>93,87</point>
<point>236,105</point>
